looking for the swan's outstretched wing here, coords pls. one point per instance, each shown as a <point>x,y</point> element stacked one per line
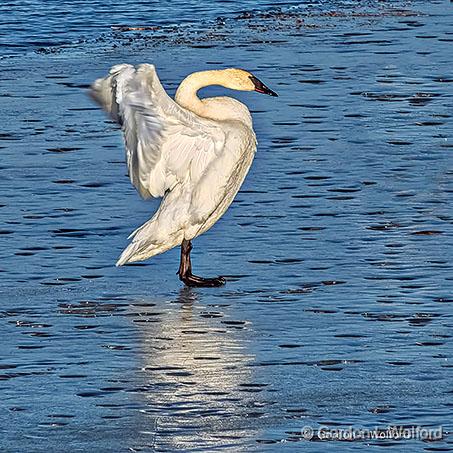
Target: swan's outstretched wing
<point>165,143</point>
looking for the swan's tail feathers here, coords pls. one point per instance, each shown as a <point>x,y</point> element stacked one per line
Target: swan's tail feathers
<point>147,242</point>
<point>136,251</point>
<point>136,231</point>
<point>142,250</point>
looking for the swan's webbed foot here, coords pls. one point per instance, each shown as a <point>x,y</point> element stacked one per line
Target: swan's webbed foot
<point>185,271</point>
<point>193,280</point>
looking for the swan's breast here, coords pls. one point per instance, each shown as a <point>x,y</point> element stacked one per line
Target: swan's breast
<point>224,108</point>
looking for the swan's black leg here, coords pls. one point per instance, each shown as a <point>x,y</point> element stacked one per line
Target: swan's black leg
<point>185,270</point>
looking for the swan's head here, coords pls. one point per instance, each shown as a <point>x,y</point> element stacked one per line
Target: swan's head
<point>239,79</point>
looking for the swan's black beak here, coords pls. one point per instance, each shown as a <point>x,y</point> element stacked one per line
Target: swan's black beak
<point>261,88</point>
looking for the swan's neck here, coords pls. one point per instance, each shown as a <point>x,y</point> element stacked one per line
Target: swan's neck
<point>186,95</point>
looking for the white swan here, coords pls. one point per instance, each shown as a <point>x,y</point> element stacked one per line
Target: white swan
<point>195,153</point>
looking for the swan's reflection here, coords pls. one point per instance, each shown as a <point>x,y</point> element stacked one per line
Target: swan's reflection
<point>193,369</point>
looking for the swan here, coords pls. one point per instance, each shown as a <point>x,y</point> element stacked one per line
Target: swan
<point>192,152</point>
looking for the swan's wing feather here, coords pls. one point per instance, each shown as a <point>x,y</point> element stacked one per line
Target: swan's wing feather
<point>192,209</point>
<point>225,174</point>
<point>164,142</point>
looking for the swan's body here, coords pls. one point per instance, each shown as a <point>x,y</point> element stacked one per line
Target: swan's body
<point>194,153</point>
